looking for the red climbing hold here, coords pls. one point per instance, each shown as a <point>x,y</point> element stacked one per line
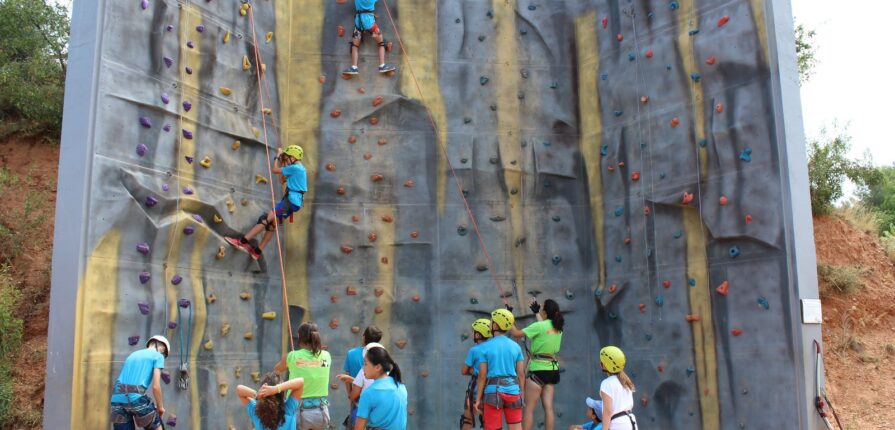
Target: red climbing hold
<point>611,168</point>
<point>660,368</point>
<point>388,218</point>
<point>642,308</point>
<point>416,298</point>
<point>334,299</point>
<point>347,249</point>
<point>675,122</point>
<point>414,234</point>
<point>736,332</point>
<point>355,218</point>
<point>635,176</point>
<point>340,191</point>
<point>376,178</point>
<point>621,164</point>
<point>748,219</point>
<point>377,310</point>
<point>711,60</point>
<point>644,401</point>
<point>352,139</point>
<point>368,156</point>
<point>649,53</point>
<point>644,99</point>
<point>408,183</point>
<point>688,197</point>
<point>627,241</point>
<point>646,211</point>
<point>377,101</point>
<point>341,1</point>
<point>355,329</point>
<point>336,113</point>
<point>619,37</point>
<point>378,292</point>
<point>723,288</point>
<point>692,318</point>
<point>666,283</point>
<point>374,120</point>
<point>322,79</point>
<point>613,288</point>
<point>724,20</point>
<point>334,323</point>
<point>331,167</point>
<point>605,22</point>
<point>340,30</point>
<point>719,108</point>
<point>382,141</point>
<point>350,291</point>
<point>723,201</point>
<point>362,90</point>
<point>371,237</point>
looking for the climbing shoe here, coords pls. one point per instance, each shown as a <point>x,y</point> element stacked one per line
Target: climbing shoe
<point>254,252</point>
<point>236,243</point>
<point>350,71</point>
<point>385,68</point>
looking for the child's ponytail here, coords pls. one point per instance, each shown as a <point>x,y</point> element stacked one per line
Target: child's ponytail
<point>551,308</point>
<point>381,357</point>
<point>626,381</point>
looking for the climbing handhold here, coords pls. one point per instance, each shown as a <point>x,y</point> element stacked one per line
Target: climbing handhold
<point>660,368</point>
<point>635,176</point>
<point>227,37</point>
<point>145,277</point>
<point>268,37</point>
<point>166,376</point>
<point>605,21</point>
<point>763,302</point>
<point>269,315</point>
<point>555,218</point>
<point>556,259</point>
<point>143,248</point>
<point>604,77</point>
<point>382,141</point>
<point>355,218</point>
<point>144,4</point>
<point>644,99</point>
<point>613,288</point>
<point>724,20</point>
<point>675,122</point>
<point>461,230</point>
<point>736,332</point>
<point>618,113</point>
<point>346,250</point>
<point>627,241</point>
<point>695,77</point>
<point>414,234</point>
<point>246,64</point>
<point>674,5</point>
<point>703,142</point>
<point>408,183</point>
<point>618,258</point>
<point>371,237</point>
<point>340,30</point>
<point>144,308</point>
<point>604,150</point>
<point>748,219</point>
<point>208,345</point>
<point>166,98</point>
<point>678,234</point>
<point>186,133</point>
<point>142,149</point>
<point>176,280</point>
<point>723,201</point>
<point>692,318</point>
<point>133,340</point>
<point>248,335</point>
<point>387,218</point>
<point>632,56</point>
<point>691,282</point>
<point>206,162</point>
<point>211,298</point>
<point>336,113</point>
<point>244,9</point>
<point>711,60</point>
<point>644,400</point>
<point>690,371</point>
<point>259,179</point>
<point>553,85</point>
<point>746,155</point>
<point>378,310</point>
<point>368,156</point>
<point>734,251</point>
<point>719,108</point>
<point>189,159</point>
<point>649,53</point>
<point>222,252</point>
<point>619,211</point>
<point>225,329</point>
<point>646,210</point>
<point>401,344</point>
<point>642,307</point>
<point>415,298</point>
<point>245,295</point>
<point>340,191</point>
<point>376,178</point>
<point>225,91</point>
<point>687,198</point>
<point>188,70</point>
<point>189,44</point>
<point>619,37</point>
<point>188,230</point>
<point>693,32</point>
<point>483,80</point>
<point>352,139</point>
<point>168,62</point>
<point>481,267</point>
<point>145,121</point>
<point>330,167</point>
<point>231,206</point>
<point>377,101</point>
<point>660,300</point>
<point>666,283</point>
<point>334,323</point>
<point>374,120</point>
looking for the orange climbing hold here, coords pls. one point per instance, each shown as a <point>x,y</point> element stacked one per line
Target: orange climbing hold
<point>675,122</point>
<point>322,79</point>
<point>688,198</point>
<point>414,234</point>
<point>347,249</point>
<point>711,60</point>
<point>736,332</point>
<point>352,139</point>
<point>383,260</point>
<point>350,291</point>
<point>400,344</point>
<point>619,37</point>
<point>724,20</point>
<point>355,218</point>
<point>611,168</point>
<point>692,318</point>
<point>355,329</point>
<point>374,120</point>
<point>331,167</point>
<point>723,201</point>
<point>340,191</point>
<point>408,183</point>
<point>340,30</point>
<point>642,308</point>
<point>382,141</point>
<point>336,113</point>
<point>371,237</point>
<point>719,108</point>
<point>388,218</point>
<point>378,292</point>
<point>723,288</point>
<point>376,178</point>
<point>334,323</point>
<point>377,101</point>
<point>362,90</point>
<point>368,156</point>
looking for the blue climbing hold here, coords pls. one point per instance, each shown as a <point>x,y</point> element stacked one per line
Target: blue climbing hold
<point>734,251</point>
<point>632,56</point>
<point>690,371</point>
<point>598,292</point>
<point>604,150</point>
<point>695,77</point>
<point>703,143</point>
<point>746,155</point>
<point>694,32</point>
<point>660,300</point>
<point>556,260</point>
<point>674,5</point>
<point>691,282</point>
<point>490,13</point>
<point>619,211</point>
<point>618,258</point>
<point>763,302</point>
<point>604,77</point>
<point>678,234</point>
<point>612,315</point>
<point>483,80</point>
<point>532,7</point>
<point>618,113</point>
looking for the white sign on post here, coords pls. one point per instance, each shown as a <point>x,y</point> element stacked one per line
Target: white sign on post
<point>811,311</point>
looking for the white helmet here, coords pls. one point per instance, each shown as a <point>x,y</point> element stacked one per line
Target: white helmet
<point>372,345</point>
<point>163,340</point>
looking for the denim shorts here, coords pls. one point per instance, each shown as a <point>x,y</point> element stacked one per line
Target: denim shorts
<point>140,413</point>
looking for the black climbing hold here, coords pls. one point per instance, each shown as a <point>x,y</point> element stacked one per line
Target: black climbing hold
<point>554,85</point>
<point>555,218</point>
<point>532,7</point>
<point>520,95</point>
<point>498,218</point>
<point>473,300</point>
<point>524,73</point>
<point>493,160</point>
<point>457,20</point>
<point>694,32</point>
<point>523,31</point>
<point>618,113</point>
<point>464,160</point>
<point>556,259</point>
<point>467,120</point>
<point>461,230</point>
<point>482,38</point>
<point>493,107</point>
<point>465,193</point>
<point>514,191</point>
<point>481,267</point>
<point>490,13</point>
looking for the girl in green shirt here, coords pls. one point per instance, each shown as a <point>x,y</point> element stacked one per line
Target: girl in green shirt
<point>313,364</point>
<point>543,364</point>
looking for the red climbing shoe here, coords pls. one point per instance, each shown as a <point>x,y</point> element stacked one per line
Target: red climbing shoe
<point>254,252</point>
<point>233,242</point>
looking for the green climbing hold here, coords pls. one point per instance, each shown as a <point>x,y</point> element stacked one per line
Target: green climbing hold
<point>483,80</point>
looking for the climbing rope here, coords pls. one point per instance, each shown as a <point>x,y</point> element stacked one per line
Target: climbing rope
<point>273,202</point>
<point>469,212</point>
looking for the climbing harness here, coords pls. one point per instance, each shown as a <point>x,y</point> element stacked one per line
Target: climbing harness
<point>628,414</point>
<point>184,380</point>
<point>820,392</point>
<point>469,402</point>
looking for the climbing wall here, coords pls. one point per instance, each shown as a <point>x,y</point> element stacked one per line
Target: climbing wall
<point>621,157</point>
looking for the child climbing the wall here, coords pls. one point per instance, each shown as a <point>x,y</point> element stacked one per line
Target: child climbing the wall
<point>481,332</point>
<point>543,366</point>
<point>131,407</point>
<point>382,405</point>
<point>288,165</point>
<point>365,22</point>
<point>354,363</point>
<point>311,363</point>
<point>617,391</point>
<point>594,416</point>
<point>501,382</point>
<point>269,408</point>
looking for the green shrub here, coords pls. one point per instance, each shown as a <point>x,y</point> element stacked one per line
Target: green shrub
<point>829,166</point>
<point>842,279</point>
<point>10,339</point>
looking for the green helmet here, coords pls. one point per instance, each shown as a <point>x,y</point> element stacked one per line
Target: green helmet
<point>503,318</point>
<point>613,359</point>
<point>482,327</point>
<point>294,151</point>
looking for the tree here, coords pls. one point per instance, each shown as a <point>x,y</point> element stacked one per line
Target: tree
<point>829,166</point>
<point>880,196</point>
<point>806,49</point>
<point>33,60</point>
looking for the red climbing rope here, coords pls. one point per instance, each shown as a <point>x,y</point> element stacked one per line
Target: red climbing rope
<point>472,218</point>
<point>273,202</point>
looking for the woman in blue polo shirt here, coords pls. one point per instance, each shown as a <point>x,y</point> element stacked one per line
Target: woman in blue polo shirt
<point>383,405</point>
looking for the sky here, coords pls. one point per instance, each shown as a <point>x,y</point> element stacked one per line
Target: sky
<point>854,81</point>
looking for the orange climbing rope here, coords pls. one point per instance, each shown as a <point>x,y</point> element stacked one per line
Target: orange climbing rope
<point>273,202</point>
<point>472,218</point>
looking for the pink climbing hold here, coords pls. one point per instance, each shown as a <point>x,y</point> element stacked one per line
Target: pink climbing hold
<point>416,298</point>
<point>613,288</point>
<point>748,219</point>
<point>340,30</point>
<point>646,211</point>
<point>724,20</point>
<point>605,22</point>
<point>711,60</point>
<point>334,323</point>
<point>719,108</point>
<point>688,198</point>
<point>723,201</point>
<point>377,101</point>
<point>619,37</point>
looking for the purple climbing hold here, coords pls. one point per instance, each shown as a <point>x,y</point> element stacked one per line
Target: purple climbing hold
<point>200,28</point>
<point>151,201</point>
<point>187,106</point>
<point>172,421</point>
<point>143,248</point>
<point>184,303</point>
<point>144,308</point>
<point>198,218</point>
<point>188,191</point>
<point>188,230</point>
<point>166,376</point>
<point>145,121</point>
<point>144,4</point>
<point>176,279</point>
<point>188,70</point>
<point>168,62</point>
<point>141,149</point>
<point>169,28</point>
<point>165,187</point>
<point>165,98</point>
<point>187,134</point>
<point>172,325</point>
<point>145,277</point>
<point>167,127</point>
<point>133,340</point>
<point>189,44</point>
<point>189,159</point>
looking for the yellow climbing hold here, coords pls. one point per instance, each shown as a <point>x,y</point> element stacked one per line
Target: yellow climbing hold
<point>206,162</point>
<point>231,206</point>
<point>269,315</point>
<point>225,329</point>
<point>268,37</point>
<point>256,376</point>
<point>260,179</point>
<point>227,37</point>
<point>222,252</point>
<point>237,371</point>
<point>212,298</point>
<point>246,65</point>
<point>248,335</point>
<point>245,295</point>
<point>267,111</point>
<point>256,132</point>
<point>226,91</point>
<point>218,220</point>
<point>244,9</point>
<point>208,345</point>
<point>263,68</point>
<point>235,145</point>
<point>223,388</point>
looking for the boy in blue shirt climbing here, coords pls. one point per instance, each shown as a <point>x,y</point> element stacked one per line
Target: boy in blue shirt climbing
<point>501,375</point>
<point>288,165</point>
<point>365,22</point>
<point>130,405</point>
<point>481,332</point>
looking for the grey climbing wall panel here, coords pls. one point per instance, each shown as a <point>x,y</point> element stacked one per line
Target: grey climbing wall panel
<point>626,158</point>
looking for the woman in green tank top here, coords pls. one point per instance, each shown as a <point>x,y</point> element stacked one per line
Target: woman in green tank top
<point>313,364</point>
<point>543,364</point>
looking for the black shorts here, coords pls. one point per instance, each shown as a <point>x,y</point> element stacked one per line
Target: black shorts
<point>544,377</point>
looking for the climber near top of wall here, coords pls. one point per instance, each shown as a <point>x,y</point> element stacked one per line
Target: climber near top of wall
<point>288,164</point>
<point>365,22</point>
<point>354,364</point>
<point>268,408</point>
<point>543,366</point>
<point>501,381</point>
<point>131,407</point>
<point>481,332</point>
<point>311,363</point>
<point>617,391</point>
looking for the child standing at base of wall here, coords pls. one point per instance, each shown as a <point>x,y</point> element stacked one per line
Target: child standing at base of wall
<point>268,408</point>
<point>543,365</point>
<point>288,164</point>
<point>354,364</point>
<point>481,332</point>
<point>382,405</point>
<point>311,363</point>
<point>501,376</point>
<point>617,391</point>
<point>130,406</point>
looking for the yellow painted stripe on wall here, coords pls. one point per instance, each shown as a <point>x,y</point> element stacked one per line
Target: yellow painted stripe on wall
<point>419,25</point>
<point>704,354</point>
<point>200,319</point>
<point>300,105</point>
<point>687,20</point>
<point>385,274</point>
<point>587,41</point>
<point>96,310</point>
<point>506,69</point>
<point>758,16</point>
